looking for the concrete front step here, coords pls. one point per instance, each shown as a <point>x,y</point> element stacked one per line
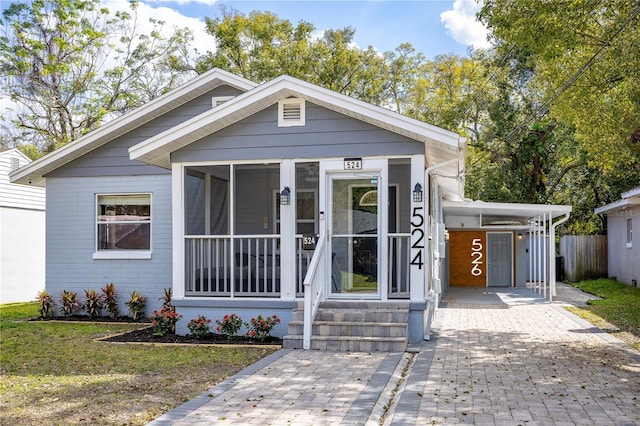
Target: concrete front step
<point>353,326</point>
<point>346,328</point>
<point>349,343</point>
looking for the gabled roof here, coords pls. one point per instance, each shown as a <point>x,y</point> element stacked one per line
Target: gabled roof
<point>440,145</point>
<point>15,152</point>
<point>629,198</point>
<point>34,172</point>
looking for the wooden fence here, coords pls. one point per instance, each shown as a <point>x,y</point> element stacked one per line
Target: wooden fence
<point>585,256</point>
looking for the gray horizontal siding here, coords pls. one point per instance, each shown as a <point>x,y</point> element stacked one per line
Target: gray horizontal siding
<point>112,159</point>
<point>71,239</point>
<point>326,134</point>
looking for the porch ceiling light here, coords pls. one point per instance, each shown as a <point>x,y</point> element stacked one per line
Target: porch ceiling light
<point>285,196</point>
<point>417,193</point>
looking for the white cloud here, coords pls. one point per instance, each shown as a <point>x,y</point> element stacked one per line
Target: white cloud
<point>202,41</point>
<point>203,2</point>
<point>462,25</point>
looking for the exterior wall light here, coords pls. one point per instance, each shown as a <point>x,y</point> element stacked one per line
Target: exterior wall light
<point>285,196</point>
<point>417,193</point>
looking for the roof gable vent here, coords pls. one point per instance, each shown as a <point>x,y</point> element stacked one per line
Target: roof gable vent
<point>291,112</point>
<point>15,163</point>
<point>219,100</point>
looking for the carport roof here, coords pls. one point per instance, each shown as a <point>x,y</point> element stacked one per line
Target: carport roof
<point>503,214</point>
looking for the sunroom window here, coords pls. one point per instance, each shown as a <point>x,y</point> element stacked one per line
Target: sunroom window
<point>123,223</point>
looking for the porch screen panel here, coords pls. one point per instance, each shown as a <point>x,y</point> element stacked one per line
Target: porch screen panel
<point>194,203</point>
<point>219,206</point>
<point>399,215</point>
<point>255,211</point>
<point>256,235</point>
<point>307,190</point>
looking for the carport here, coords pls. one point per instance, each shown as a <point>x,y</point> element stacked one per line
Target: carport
<point>502,244</point>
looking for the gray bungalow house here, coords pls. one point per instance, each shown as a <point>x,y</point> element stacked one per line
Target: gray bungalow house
<point>623,216</point>
<point>282,198</point>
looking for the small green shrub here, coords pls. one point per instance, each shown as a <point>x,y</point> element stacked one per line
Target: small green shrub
<point>260,328</point>
<point>137,304</point>
<point>70,304</point>
<point>109,300</point>
<point>46,304</point>
<point>92,303</point>
<point>230,325</point>
<point>199,327</point>
<point>164,321</point>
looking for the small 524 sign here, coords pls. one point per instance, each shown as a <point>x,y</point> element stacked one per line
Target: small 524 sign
<point>353,163</point>
<point>309,242</point>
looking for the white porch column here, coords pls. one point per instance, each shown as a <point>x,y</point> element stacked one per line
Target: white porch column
<point>177,221</point>
<point>288,232</point>
<point>419,275</point>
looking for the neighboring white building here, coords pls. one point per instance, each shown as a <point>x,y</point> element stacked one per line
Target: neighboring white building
<point>22,233</point>
<point>623,217</point>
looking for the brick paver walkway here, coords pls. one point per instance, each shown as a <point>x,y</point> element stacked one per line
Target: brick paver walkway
<point>497,358</point>
<point>520,364</point>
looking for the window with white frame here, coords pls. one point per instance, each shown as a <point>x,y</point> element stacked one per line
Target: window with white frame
<point>629,233</point>
<point>123,222</point>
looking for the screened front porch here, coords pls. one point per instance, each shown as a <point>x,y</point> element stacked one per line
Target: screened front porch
<point>237,245</point>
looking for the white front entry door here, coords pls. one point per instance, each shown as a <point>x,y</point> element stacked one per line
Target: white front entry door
<point>356,237</point>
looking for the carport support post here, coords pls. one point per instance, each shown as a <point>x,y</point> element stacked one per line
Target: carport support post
<point>552,251</point>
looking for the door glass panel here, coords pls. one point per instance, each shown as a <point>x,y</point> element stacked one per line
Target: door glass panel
<point>354,240</point>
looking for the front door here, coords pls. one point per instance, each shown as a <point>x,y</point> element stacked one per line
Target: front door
<point>499,259</point>
<point>353,235</point>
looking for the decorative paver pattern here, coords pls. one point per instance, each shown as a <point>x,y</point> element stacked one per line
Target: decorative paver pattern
<point>527,364</point>
<point>497,357</point>
<point>302,388</point>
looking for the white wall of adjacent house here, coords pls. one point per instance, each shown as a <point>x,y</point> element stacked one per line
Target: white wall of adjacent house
<point>22,234</point>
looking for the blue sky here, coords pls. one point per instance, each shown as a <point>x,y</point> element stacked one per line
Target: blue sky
<point>384,24</point>
<point>432,26</point>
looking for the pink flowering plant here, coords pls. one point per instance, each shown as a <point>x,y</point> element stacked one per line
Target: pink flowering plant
<point>199,327</point>
<point>260,328</point>
<point>164,321</point>
<point>229,326</point>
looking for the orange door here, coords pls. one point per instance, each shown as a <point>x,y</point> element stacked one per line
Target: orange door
<point>467,258</point>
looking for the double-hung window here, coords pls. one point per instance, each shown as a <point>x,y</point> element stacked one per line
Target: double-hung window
<point>123,226</point>
<point>629,233</point>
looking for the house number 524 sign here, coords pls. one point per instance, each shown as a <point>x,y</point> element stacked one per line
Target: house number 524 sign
<point>417,235</point>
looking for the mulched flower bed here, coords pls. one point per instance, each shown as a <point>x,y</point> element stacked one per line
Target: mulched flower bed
<point>85,318</point>
<point>146,335</point>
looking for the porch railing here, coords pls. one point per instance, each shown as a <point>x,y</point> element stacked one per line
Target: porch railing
<point>398,262</point>
<point>314,290</point>
<point>303,259</point>
<point>228,266</point>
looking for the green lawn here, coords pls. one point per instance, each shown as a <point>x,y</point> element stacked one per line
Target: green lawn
<point>620,304</point>
<point>55,373</point>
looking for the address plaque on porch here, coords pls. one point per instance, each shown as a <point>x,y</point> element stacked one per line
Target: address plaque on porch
<point>309,242</point>
<point>353,163</point>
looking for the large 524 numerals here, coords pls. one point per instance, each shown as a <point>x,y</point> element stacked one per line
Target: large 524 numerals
<point>417,222</point>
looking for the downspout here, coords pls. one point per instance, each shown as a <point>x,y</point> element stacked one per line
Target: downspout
<point>430,297</point>
<point>552,251</point>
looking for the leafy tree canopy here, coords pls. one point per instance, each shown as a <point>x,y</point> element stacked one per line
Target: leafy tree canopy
<point>70,65</point>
